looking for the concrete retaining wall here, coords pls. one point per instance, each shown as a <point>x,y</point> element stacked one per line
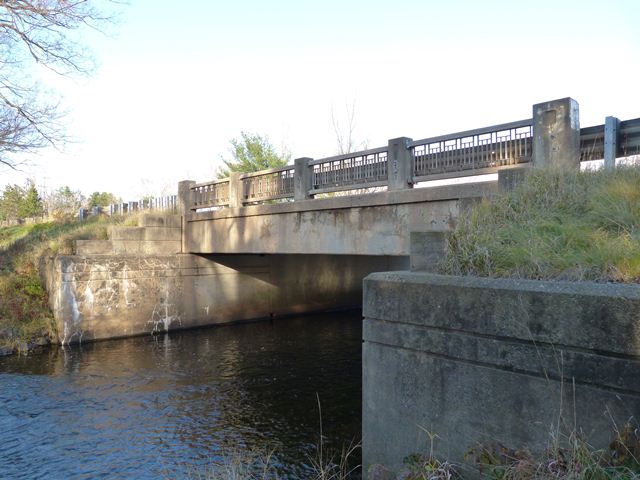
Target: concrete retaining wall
<point>479,360</point>
<point>106,296</point>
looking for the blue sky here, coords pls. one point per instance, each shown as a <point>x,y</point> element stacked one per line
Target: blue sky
<point>177,80</point>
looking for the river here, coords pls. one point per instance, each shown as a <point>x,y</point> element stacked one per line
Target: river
<point>177,405</point>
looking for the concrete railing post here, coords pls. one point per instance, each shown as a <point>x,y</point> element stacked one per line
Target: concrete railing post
<point>400,164</point>
<point>236,190</point>
<point>611,128</point>
<point>185,200</point>
<point>302,179</point>
<point>556,134</point>
<point>184,196</point>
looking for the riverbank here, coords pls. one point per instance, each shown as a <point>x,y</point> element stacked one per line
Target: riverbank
<point>26,321</point>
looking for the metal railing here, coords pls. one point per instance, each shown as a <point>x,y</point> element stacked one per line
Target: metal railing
<point>272,184</point>
<point>629,138</point>
<point>592,141</point>
<point>367,168</point>
<point>210,194</point>
<point>473,150</point>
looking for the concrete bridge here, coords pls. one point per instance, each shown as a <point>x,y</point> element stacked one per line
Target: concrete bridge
<point>436,348</point>
<point>301,238</point>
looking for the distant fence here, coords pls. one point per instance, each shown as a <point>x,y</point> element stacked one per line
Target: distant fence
<point>404,162</point>
<point>23,221</point>
<point>165,204</point>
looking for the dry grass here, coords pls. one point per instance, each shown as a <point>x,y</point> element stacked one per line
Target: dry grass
<point>570,458</point>
<point>565,225</point>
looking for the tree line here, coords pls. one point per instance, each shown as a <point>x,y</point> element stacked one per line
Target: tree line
<point>18,203</point>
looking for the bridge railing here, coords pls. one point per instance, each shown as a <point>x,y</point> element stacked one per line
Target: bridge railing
<point>552,132</point>
<point>210,194</point>
<point>472,152</point>
<point>351,171</point>
<point>266,185</point>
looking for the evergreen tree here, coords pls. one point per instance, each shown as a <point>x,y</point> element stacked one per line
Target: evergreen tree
<point>10,202</point>
<point>31,204</point>
<point>252,153</point>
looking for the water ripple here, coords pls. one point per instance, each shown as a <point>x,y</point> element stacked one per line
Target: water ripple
<point>165,407</point>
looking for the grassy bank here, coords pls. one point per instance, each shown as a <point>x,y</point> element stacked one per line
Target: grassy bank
<point>25,316</point>
<point>564,225</point>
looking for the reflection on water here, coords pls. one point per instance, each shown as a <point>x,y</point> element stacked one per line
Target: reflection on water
<point>161,407</point>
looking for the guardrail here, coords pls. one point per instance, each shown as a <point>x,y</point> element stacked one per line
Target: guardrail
<point>592,140</point>
<point>404,162</point>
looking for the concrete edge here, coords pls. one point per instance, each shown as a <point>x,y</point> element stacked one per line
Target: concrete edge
<point>631,291</point>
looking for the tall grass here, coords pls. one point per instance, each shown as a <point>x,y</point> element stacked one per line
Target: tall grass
<point>326,464</point>
<point>565,225</point>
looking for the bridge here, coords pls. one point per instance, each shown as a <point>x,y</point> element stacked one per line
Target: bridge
<point>302,237</point>
<point>436,348</point>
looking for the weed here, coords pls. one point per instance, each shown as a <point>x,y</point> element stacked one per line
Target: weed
<point>575,459</point>
<point>239,465</point>
<point>428,467</point>
<point>330,465</point>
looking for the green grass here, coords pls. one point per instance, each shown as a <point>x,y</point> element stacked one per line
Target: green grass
<point>24,311</point>
<point>563,225</point>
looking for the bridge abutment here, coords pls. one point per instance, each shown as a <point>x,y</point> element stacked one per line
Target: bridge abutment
<point>108,296</point>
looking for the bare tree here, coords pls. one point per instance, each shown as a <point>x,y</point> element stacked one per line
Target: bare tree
<point>32,33</point>
<point>346,142</point>
<point>344,130</point>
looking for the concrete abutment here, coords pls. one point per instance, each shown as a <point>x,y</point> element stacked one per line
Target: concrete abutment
<point>480,360</point>
<point>108,296</point>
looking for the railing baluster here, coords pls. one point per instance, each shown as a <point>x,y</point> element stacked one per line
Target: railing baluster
<point>483,148</point>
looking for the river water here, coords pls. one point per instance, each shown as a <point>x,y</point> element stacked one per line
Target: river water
<point>177,405</point>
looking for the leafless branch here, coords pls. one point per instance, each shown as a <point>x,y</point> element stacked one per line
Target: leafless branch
<point>38,32</point>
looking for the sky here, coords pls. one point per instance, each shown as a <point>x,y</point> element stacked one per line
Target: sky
<point>175,81</point>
